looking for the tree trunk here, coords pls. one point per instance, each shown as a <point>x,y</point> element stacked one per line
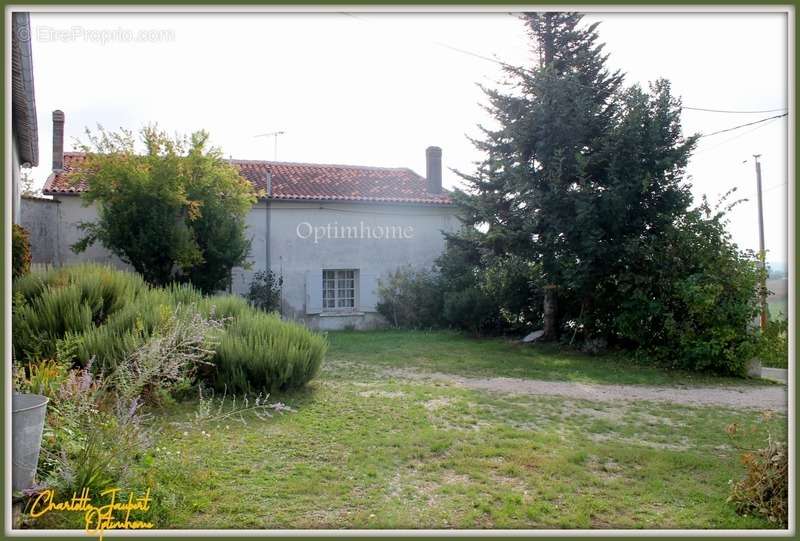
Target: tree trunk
<point>550,314</point>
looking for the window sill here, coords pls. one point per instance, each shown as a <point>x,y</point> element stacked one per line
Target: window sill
<point>341,314</point>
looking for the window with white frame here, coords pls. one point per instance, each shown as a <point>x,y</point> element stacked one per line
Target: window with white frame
<point>339,290</point>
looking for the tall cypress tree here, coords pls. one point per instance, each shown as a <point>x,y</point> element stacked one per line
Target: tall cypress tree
<point>551,125</point>
<point>577,169</point>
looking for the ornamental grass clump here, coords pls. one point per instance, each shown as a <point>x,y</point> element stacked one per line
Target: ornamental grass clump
<point>258,351</point>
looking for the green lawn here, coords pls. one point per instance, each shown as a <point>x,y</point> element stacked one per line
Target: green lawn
<point>368,449</point>
<point>454,353</point>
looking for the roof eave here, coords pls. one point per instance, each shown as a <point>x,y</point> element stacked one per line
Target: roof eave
<point>362,200</point>
<point>298,199</point>
<point>25,124</point>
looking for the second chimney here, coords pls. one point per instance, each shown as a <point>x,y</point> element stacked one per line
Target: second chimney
<point>58,140</point>
<point>433,169</point>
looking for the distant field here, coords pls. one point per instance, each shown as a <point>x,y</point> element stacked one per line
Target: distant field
<point>779,287</point>
<point>778,299</point>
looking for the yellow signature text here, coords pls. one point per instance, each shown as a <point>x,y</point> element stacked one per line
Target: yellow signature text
<point>115,514</point>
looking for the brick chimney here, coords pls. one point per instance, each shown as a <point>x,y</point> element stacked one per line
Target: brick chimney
<point>433,169</point>
<point>58,140</point>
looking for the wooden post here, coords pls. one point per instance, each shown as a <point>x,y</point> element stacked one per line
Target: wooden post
<point>761,250</point>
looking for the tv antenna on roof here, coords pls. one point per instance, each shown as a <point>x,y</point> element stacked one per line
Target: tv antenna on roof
<point>274,134</point>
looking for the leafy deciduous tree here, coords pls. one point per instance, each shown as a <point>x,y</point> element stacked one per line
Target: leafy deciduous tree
<point>174,213</point>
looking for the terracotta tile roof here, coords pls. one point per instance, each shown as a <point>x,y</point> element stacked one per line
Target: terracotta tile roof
<point>304,181</point>
<point>58,183</point>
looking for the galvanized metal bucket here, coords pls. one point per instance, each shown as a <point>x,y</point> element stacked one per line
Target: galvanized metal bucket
<point>27,423</point>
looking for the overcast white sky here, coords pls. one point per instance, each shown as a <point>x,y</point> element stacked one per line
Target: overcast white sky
<point>376,89</point>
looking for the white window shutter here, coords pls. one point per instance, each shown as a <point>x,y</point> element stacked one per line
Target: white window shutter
<point>367,292</point>
<point>313,292</point>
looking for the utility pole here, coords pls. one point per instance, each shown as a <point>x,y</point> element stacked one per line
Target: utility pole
<point>274,134</point>
<point>761,250</point>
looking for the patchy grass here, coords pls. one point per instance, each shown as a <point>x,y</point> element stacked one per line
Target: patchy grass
<point>368,449</point>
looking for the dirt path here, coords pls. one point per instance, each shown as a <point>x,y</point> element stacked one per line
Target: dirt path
<point>760,397</point>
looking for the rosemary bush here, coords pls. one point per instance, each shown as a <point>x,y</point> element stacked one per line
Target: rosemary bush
<point>258,351</point>
<point>114,319</point>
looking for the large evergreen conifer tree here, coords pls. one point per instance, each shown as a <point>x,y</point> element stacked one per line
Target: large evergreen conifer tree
<point>577,170</point>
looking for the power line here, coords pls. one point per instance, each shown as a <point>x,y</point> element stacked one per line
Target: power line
<point>731,111</point>
<point>529,72</point>
<point>742,125</point>
<point>750,192</point>
<point>456,49</point>
<point>476,55</point>
<point>775,187</point>
<point>726,141</point>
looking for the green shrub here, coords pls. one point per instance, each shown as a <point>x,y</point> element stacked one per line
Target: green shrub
<point>113,285</point>
<point>127,329</point>
<point>258,351</point>
<point>20,251</point>
<point>108,345</point>
<point>411,298</point>
<point>225,306</point>
<point>472,310</point>
<point>70,300</point>
<point>474,285</point>
<point>265,291</point>
<point>42,322</point>
<point>690,297</point>
<point>95,315</point>
<point>467,290</point>
<point>105,312</point>
<point>31,285</point>
<point>774,344</point>
<point>513,285</point>
<point>102,344</point>
<point>183,294</point>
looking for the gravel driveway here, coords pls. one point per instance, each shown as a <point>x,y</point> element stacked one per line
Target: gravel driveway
<point>760,397</point>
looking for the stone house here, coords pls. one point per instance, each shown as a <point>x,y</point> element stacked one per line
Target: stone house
<point>331,231</point>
